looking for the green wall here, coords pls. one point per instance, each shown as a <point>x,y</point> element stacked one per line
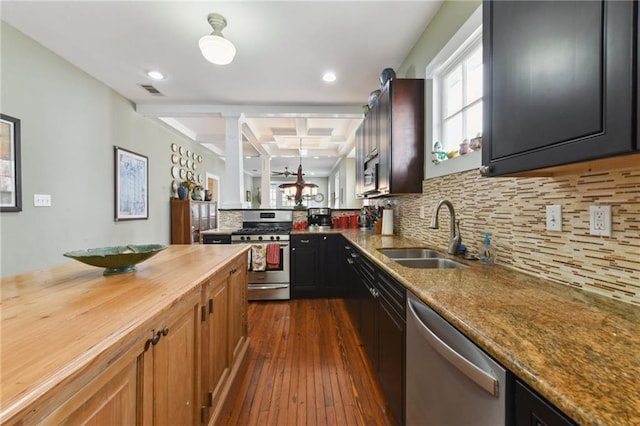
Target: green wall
<point>70,123</point>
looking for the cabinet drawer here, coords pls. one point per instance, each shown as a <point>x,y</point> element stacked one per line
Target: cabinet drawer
<point>305,241</point>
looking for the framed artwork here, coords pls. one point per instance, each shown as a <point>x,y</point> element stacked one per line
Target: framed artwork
<point>10,173</point>
<point>131,185</point>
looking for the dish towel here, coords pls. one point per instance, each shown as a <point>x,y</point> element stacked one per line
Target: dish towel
<point>258,257</point>
<point>273,256</point>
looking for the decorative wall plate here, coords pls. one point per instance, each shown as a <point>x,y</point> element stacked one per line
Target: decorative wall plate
<point>174,147</point>
<point>190,175</point>
<point>199,178</point>
<point>181,151</point>
<point>194,166</point>
<point>175,159</point>
<point>183,162</point>
<point>194,156</point>
<point>188,154</point>
<point>183,174</point>
<point>318,198</point>
<point>188,164</point>
<point>175,172</point>
<point>174,186</point>
<point>199,158</point>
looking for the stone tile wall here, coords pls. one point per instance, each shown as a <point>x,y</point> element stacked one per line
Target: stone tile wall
<point>513,212</point>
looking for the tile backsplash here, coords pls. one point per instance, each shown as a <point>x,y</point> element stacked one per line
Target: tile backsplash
<point>513,212</point>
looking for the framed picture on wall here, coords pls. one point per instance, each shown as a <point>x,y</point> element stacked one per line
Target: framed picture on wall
<point>10,173</point>
<point>131,185</point>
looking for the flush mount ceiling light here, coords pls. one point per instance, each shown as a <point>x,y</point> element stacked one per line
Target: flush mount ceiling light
<point>156,75</point>
<point>214,47</point>
<point>329,77</point>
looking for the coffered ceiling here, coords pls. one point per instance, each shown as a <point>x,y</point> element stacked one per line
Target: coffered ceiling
<point>275,80</point>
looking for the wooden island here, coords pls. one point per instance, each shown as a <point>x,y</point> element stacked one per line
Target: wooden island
<point>161,345</point>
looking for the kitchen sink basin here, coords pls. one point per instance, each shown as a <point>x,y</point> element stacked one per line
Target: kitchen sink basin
<point>411,253</point>
<point>430,263</point>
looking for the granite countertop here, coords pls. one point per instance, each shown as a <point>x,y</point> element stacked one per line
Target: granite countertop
<point>579,350</point>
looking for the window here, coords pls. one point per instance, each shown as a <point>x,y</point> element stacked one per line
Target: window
<point>459,89</point>
<point>455,74</point>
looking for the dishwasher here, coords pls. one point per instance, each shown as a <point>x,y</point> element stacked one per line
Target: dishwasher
<point>450,380</point>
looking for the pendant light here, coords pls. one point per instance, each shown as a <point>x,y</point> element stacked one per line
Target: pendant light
<point>214,47</point>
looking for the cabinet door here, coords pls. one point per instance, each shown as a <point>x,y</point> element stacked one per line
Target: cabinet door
<point>558,83</point>
<point>391,332</point>
<point>109,398</point>
<point>215,342</point>
<point>176,361</point>
<point>359,163</point>
<point>237,309</point>
<point>306,271</point>
<point>335,265</point>
<point>384,139</point>
<point>532,410</point>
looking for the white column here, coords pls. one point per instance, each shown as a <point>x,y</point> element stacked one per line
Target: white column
<point>265,183</point>
<point>233,185</point>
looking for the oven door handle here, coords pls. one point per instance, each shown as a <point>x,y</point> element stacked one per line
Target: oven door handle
<point>271,287</point>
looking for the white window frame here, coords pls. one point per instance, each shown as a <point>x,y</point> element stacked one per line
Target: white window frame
<point>469,34</point>
<point>439,92</point>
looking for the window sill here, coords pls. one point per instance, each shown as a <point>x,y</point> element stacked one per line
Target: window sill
<point>461,163</point>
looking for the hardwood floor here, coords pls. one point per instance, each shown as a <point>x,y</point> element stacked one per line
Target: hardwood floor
<point>305,367</point>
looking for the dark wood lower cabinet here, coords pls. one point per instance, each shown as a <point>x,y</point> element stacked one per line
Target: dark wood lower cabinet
<point>318,266</point>
<point>376,304</point>
<point>530,409</point>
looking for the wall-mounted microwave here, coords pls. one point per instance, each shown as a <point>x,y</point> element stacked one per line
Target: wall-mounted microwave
<point>370,180</point>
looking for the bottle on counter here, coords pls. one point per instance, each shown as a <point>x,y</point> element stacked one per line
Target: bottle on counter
<point>487,252</point>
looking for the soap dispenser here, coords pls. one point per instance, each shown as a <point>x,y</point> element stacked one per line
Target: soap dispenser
<point>487,252</point>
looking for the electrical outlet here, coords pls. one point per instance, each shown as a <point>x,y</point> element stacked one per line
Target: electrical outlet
<point>554,218</point>
<point>41,200</point>
<point>600,220</point>
<point>421,212</point>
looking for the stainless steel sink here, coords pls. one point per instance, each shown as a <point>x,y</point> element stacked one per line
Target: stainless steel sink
<point>430,263</point>
<point>411,253</point>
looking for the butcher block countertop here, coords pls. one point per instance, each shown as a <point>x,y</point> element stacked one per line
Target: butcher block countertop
<point>579,350</point>
<point>59,321</point>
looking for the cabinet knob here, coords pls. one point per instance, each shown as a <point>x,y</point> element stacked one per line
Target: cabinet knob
<point>154,340</point>
<point>165,331</point>
<point>484,170</point>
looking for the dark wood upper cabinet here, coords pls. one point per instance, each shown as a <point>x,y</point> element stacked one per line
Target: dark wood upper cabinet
<point>391,137</point>
<point>559,83</point>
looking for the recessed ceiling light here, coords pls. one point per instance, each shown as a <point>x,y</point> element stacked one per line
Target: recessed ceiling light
<point>156,75</point>
<point>329,77</point>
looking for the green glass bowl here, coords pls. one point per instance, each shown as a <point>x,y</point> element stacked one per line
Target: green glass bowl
<point>116,260</point>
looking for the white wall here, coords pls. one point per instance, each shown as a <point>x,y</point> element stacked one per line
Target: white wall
<point>346,170</point>
<point>70,123</point>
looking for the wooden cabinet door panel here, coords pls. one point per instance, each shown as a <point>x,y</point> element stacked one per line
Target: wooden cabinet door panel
<point>558,84</point>
<point>216,355</point>
<point>237,309</point>
<point>176,361</point>
<point>109,399</point>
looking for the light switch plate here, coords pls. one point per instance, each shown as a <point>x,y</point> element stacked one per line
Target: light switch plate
<point>554,218</point>
<point>600,220</point>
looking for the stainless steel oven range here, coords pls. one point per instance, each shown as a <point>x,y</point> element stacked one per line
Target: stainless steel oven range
<point>268,233</point>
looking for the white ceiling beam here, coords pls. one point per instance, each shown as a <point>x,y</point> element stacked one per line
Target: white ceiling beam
<point>301,127</point>
<point>255,111</point>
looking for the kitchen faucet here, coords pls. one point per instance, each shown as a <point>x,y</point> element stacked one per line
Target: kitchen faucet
<point>456,239</point>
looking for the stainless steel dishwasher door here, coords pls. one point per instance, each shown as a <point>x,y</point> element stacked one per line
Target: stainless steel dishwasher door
<point>450,381</point>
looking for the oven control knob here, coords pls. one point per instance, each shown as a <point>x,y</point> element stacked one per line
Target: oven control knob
<point>272,238</point>
<point>260,238</point>
<point>277,238</point>
<point>248,238</point>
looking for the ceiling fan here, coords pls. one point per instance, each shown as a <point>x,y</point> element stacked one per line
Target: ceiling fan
<point>286,173</point>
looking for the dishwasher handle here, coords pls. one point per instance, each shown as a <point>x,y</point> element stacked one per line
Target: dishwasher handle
<point>483,379</point>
